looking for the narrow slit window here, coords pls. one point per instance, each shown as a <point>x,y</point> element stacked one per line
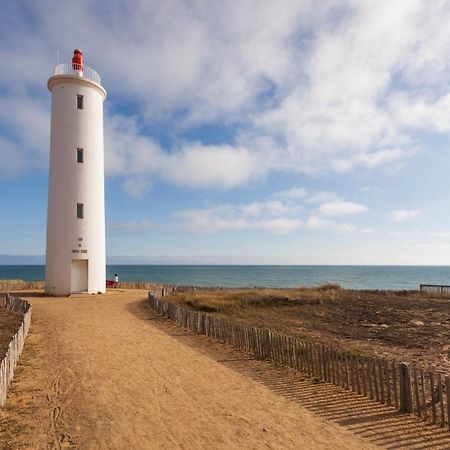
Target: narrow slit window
<point>80,155</point>
<point>80,101</point>
<point>80,210</point>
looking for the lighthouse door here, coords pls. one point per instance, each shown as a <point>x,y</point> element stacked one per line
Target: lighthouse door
<point>79,275</point>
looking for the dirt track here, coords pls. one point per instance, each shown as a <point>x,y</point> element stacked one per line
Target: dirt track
<point>96,374</point>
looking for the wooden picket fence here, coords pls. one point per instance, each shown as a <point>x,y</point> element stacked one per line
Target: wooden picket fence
<point>434,288</point>
<point>405,387</point>
<point>138,285</point>
<point>18,285</point>
<point>9,362</point>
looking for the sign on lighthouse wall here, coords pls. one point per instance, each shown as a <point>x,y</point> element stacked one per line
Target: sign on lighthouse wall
<point>75,252</point>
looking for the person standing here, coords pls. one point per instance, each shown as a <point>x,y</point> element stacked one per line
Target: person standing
<point>116,279</point>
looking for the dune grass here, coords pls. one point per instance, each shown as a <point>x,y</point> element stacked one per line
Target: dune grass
<point>9,324</point>
<point>377,323</point>
<point>233,301</point>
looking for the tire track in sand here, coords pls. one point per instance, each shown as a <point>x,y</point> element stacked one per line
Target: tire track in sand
<point>55,399</point>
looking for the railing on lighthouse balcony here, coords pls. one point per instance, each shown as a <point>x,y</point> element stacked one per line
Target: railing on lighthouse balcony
<point>78,70</point>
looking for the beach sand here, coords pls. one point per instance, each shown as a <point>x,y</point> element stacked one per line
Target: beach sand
<point>97,374</point>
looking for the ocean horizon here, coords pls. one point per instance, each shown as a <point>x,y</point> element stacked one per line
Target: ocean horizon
<point>348,276</point>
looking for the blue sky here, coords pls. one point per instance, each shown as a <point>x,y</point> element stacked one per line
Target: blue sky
<point>288,132</point>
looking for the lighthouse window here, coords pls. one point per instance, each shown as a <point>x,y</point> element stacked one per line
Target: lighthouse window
<point>80,210</point>
<point>80,155</point>
<point>80,101</point>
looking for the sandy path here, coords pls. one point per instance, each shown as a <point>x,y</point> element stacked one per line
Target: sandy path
<point>110,379</point>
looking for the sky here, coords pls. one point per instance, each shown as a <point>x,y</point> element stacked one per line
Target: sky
<point>244,131</point>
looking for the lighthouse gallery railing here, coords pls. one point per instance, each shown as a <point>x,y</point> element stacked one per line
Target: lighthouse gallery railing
<point>87,72</point>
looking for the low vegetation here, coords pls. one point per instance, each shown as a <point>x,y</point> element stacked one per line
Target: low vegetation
<point>410,325</point>
<point>9,324</point>
<point>232,301</point>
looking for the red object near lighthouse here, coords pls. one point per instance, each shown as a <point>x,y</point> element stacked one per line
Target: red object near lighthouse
<point>77,60</point>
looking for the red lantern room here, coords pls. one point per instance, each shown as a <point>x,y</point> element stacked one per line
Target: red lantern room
<point>77,60</point>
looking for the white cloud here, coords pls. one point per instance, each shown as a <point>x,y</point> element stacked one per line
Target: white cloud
<point>341,208</point>
<point>325,86</point>
<point>209,60</point>
<point>368,231</point>
<point>136,186</point>
<point>338,119</point>
<point>277,216</point>
<point>315,222</point>
<point>13,161</point>
<point>127,152</point>
<point>271,207</point>
<point>132,227</point>
<point>210,221</point>
<point>344,227</point>
<point>323,197</point>
<point>383,156</point>
<point>440,234</point>
<point>403,215</point>
<point>370,189</point>
<point>292,194</point>
<point>139,158</point>
<point>282,225</point>
<point>205,166</point>
<point>26,144</point>
<point>272,216</point>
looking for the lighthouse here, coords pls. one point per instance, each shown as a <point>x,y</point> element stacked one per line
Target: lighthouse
<point>75,251</point>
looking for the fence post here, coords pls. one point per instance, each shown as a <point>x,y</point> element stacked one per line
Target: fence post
<point>406,400</point>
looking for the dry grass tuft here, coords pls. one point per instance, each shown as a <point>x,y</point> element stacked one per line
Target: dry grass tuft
<point>9,324</point>
<point>392,324</point>
<point>232,301</point>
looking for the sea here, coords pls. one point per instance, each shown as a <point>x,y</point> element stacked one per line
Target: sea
<point>352,277</point>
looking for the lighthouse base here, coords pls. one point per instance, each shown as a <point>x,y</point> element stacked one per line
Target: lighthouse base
<point>75,276</point>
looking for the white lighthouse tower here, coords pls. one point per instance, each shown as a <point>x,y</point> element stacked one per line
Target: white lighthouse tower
<point>75,256</point>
